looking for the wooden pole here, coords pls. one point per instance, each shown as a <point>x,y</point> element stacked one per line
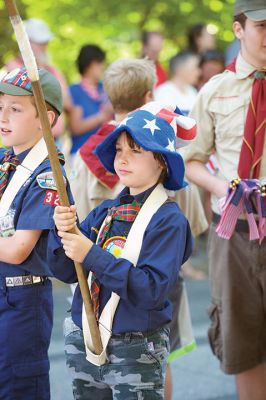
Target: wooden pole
<point>31,67</point>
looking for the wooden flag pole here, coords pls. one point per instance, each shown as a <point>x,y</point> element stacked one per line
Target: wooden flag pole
<point>32,70</point>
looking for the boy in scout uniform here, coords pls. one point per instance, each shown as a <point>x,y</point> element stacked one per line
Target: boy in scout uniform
<point>133,362</point>
<point>230,112</point>
<point>27,200</point>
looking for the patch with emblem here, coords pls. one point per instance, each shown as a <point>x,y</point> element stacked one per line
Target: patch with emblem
<point>51,198</point>
<point>7,227</point>
<point>46,180</point>
<point>115,245</point>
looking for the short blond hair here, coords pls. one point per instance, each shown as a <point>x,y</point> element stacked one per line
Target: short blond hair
<point>127,81</point>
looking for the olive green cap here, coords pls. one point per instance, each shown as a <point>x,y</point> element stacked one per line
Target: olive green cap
<point>17,83</point>
<point>253,9</point>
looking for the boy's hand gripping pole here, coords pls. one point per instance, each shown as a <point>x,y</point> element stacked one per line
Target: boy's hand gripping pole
<point>32,70</point>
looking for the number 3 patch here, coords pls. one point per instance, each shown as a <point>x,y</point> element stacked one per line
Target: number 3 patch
<point>51,198</point>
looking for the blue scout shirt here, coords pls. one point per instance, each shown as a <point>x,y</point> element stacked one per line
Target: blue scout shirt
<point>32,209</point>
<point>143,289</point>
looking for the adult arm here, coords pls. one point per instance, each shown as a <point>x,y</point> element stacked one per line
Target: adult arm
<point>79,125</point>
<point>197,154</point>
<point>197,172</point>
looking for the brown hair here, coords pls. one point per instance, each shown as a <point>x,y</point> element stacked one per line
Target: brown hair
<point>241,18</point>
<point>127,81</point>
<point>157,156</point>
<point>49,107</point>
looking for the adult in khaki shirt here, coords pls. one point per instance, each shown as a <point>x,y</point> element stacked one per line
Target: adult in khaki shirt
<point>237,266</point>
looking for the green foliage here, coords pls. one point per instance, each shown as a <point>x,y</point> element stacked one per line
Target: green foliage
<point>115,25</point>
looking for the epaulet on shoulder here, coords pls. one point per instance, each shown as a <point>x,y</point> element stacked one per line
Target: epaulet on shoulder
<point>217,78</point>
<point>214,82</point>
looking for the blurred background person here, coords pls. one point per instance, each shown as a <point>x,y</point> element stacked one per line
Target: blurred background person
<point>152,45</point>
<point>88,96</point>
<point>180,89</point>
<point>200,39</point>
<point>39,36</point>
<point>211,63</point>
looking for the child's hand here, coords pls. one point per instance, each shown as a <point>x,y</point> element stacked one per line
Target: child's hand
<point>65,218</point>
<point>76,246</point>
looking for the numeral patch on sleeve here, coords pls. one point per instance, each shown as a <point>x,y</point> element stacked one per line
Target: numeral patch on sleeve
<point>51,198</point>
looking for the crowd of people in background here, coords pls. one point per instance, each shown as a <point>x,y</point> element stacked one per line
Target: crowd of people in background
<point>86,105</point>
<point>93,107</point>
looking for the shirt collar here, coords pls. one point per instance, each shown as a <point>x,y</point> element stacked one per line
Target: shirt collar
<point>19,156</point>
<point>126,198</point>
<point>243,68</point>
<point>22,155</point>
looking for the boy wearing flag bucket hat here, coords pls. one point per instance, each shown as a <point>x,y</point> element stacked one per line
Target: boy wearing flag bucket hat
<point>142,239</point>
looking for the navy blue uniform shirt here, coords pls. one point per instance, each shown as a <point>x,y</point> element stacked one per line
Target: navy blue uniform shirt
<point>144,289</point>
<point>30,210</point>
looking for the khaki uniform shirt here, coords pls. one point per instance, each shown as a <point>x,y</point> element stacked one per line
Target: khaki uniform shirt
<point>220,111</point>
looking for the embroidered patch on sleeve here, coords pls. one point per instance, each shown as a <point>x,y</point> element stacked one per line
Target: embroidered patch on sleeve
<point>115,245</point>
<point>46,180</point>
<point>51,198</point>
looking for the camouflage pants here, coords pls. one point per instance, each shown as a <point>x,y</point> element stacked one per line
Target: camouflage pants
<point>135,368</point>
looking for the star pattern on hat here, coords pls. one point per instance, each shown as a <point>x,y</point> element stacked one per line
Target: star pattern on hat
<point>151,125</point>
<point>171,145</point>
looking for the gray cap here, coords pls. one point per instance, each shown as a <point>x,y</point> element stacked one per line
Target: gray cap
<point>253,9</point>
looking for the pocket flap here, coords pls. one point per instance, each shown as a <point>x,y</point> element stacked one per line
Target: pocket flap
<point>226,105</point>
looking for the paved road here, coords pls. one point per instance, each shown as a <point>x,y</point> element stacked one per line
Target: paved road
<point>196,376</point>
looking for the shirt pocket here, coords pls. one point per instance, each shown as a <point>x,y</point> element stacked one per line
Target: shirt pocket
<point>229,115</point>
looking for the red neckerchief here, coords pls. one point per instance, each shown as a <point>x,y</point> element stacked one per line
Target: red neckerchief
<point>91,160</point>
<point>254,132</point>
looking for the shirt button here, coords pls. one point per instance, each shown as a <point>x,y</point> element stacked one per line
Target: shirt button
<point>108,219</point>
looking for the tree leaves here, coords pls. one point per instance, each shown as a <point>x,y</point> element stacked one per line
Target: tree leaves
<point>115,25</point>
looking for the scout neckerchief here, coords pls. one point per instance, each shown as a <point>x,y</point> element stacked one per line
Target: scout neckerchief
<point>254,132</point>
<point>124,212</point>
<point>92,161</point>
<point>130,252</point>
<point>8,165</point>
